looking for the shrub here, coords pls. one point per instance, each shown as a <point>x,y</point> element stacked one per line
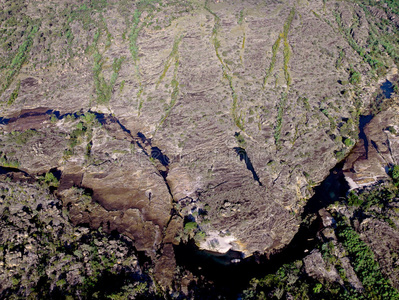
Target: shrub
<point>355,77</point>
<point>190,226</point>
<point>340,154</point>
<point>395,174</point>
<point>354,200</point>
<point>348,142</point>
<point>49,179</point>
<point>240,139</point>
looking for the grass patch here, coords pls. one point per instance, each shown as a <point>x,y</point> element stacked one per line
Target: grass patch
<point>143,5</point>
<point>174,55</point>
<point>275,47</point>
<point>237,118</point>
<point>287,55</point>
<point>133,36</point>
<point>103,87</point>
<point>134,32</point>
<point>340,59</point>
<point>286,51</point>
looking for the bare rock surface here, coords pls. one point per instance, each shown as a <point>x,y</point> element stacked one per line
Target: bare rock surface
<point>316,267</point>
<point>372,157</point>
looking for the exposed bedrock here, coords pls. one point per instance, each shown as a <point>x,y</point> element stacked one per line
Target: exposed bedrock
<point>220,115</point>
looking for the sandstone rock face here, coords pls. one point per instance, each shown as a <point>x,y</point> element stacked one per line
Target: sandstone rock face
<point>372,157</point>
<point>230,110</point>
<point>316,267</point>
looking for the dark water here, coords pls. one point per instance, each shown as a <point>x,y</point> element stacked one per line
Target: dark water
<point>333,188</point>
<point>387,89</point>
<point>5,170</point>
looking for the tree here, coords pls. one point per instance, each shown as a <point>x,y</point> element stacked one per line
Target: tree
<point>395,174</point>
<point>355,77</point>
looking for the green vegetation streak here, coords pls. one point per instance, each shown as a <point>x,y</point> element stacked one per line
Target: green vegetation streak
<point>19,59</point>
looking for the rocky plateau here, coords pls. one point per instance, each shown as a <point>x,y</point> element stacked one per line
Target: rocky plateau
<point>168,121</point>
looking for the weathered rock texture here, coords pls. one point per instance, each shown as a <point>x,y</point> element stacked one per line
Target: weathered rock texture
<point>373,156</point>
<point>203,104</point>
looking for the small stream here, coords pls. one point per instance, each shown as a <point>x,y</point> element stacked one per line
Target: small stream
<point>387,89</point>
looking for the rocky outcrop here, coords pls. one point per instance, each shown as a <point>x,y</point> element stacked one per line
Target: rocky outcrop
<point>316,267</point>
<point>374,155</point>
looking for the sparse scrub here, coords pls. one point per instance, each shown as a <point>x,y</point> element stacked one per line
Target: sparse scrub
<point>72,261</point>
<point>103,89</point>
<point>373,58</point>
<point>8,163</point>
<point>21,138</point>
<point>82,133</point>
